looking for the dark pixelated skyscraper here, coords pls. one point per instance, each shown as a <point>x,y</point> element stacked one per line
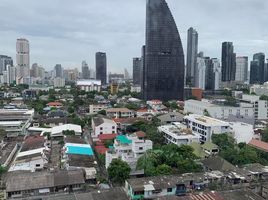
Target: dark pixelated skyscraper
<point>257,69</point>
<point>228,58</point>
<point>137,67</point>
<point>101,67</point>
<point>164,57</point>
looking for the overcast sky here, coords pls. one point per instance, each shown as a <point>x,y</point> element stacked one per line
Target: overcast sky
<point>69,31</point>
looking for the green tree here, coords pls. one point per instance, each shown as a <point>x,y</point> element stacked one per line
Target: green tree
<point>132,106</point>
<point>118,171</point>
<point>163,170</point>
<point>230,101</point>
<point>265,135</point>
<point>102,112</point>
<point>70,109</point>
<point>2,170</point>
<point>264,97</point>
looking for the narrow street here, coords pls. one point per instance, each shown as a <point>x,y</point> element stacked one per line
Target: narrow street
<point>101,168</point>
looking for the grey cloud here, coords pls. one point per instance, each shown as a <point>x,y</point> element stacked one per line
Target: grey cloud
<point>68,31</point>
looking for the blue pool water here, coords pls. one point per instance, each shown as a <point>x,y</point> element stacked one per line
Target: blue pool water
<point>79,150</point>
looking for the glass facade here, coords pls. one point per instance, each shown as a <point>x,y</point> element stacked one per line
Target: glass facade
<point>164,57</point>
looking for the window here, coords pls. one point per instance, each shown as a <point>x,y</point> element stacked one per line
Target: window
<point>37,165</point>
<point>138,193</point>
<point>101,133</point>
<point>113,132</point>
<point>113,127</point>
<point>101,128</point>
<point>169,190</point>
<point>157,191</point>
<point>140,148</point>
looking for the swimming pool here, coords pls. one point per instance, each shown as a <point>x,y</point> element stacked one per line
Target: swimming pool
<point>79,149</point>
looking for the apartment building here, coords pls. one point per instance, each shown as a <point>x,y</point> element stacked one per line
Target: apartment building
<point>178,133</point>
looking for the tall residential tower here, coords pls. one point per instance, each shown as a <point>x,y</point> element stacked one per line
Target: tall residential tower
<point>192,49</point>
<point>23,57</point>
<point>101,67</point>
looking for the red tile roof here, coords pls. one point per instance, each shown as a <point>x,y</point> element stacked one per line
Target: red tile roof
<point>259,145</point>
<point>33,142</point>
<point>143,110</point>
<point>101,150</point>
<point>107,136</point>
<point>54,104</point>
<point>140,134</point>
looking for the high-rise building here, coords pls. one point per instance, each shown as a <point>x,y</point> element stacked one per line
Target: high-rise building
<point>192,49</point>
<point>260,57</point>
<point>228,58</point>
<point>164,57</point>
<point>23,57</point>
<point>217,73</point>
<point>9,75</point>
<point>101,67</point>
<point>209,74</point>
<point>143,68</point>
<point>254,72</point>
<point>35,70</point>
<point>126,74</point>
<point>241,73</point>
<point>257,69</point>
<point>4,61</point>
<point>200,78</point>
<point>85,70</point>
<point>266,71</point>
<point>137,70</point>
<point>58,71</point>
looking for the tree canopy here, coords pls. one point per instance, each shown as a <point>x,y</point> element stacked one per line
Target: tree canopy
<point>118,171</point>
<point>238,154</point>
<point>169,159</point>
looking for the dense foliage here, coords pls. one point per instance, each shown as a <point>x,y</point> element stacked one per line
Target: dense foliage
<point>150,128</point>
<point>118,171</point>
<point>238,154</point>
<point>169,159</point>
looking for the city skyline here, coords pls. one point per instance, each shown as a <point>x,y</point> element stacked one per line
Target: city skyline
<point>50,37</point>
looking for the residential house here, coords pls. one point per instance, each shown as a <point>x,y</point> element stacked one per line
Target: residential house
<point>95,108</point>
<point>120,112</point>
<point>103,126</point>
<point>129,149</point>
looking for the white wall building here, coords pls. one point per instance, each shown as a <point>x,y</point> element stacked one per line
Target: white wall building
<point>95,108</point>
<point>15,121</point>
<point>206,126</point>
<point>260,106</point>
<point>241,69</point>
<point>260,89</point>
<point>242,132</point>
<point>218,111</point>
<point>103,126</point>
<point>135,89</point>
<point>178,133</point>
<point>129,149</point>
<point>200,78</point>
<point>59,82</point>
<point>217,73</point>
<point>89,85</point>
<point>31,160</point>
<point>119,112</point>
